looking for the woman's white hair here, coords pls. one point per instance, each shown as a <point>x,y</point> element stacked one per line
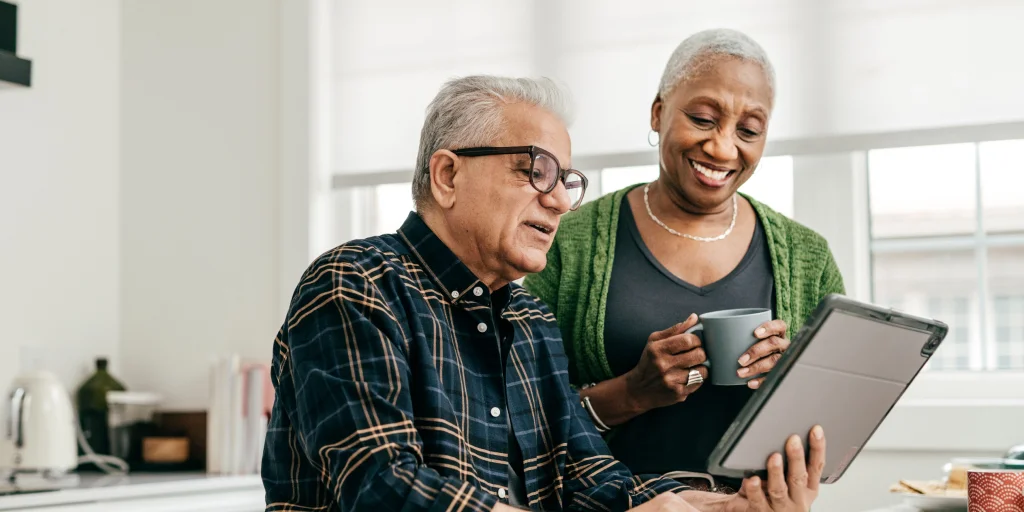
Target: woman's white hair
<point>699,50</point>
<point>469,111</point>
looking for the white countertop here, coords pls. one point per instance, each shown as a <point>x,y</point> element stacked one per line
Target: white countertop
<point>167,492</point>
<point>904,507</point>
<point>146,491</point>
<point>897,508</point>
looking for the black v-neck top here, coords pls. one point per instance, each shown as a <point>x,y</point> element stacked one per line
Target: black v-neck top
<point>644,297</point>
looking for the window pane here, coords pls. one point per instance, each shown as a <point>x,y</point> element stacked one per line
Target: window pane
<point>922,191</point>
<point>772,184</point>
<point>1009,335</point>
<point>1006,286</point>
<point>360,212</point>
<point>594,187</point>
<point>393,204</point>
<point>347,217</point>
<point>616,178</point>
<point>1002,185</point>
<point>941,285</point>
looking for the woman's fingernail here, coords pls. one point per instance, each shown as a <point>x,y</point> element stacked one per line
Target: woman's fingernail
<point>742,372</point>
<point>744,359</point>
<point>759,331</point>
<point>754,384</point>
<point>817,432</point>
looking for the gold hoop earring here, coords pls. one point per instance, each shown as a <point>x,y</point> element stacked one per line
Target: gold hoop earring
<point>657,139</point>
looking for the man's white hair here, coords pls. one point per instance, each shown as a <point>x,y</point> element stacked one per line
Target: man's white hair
<point>697,51</point>
<point>469,111</point>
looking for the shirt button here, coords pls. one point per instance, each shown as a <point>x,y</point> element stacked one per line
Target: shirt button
<point>478,291</point>
<point>495,412</point>
<point>455,295</point>
<point>502,493</point>
<point>482,327</point>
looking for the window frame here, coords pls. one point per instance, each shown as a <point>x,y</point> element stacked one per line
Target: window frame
<point>979,242</point>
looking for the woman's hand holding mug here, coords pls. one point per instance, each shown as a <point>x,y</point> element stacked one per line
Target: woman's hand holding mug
<point>765,354</point>
<point>660,378</point>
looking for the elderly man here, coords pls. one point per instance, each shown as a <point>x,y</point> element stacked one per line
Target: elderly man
<point>413,374</point>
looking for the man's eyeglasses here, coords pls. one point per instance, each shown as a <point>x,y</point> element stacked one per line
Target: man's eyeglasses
<point>545,171</point>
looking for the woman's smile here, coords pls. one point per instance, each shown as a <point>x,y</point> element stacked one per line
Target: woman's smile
<point>711,175</point>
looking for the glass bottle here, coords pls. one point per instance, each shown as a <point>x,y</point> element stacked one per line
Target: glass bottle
<point>92,406</point>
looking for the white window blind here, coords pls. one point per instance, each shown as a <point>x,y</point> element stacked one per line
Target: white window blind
<point>843,66</point>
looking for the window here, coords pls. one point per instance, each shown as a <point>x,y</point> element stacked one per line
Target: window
<point>617,178</point>
<point>363,211</point>
<point>1006,283</point>
<point>772,184</point>
<point>957,345</point>
<point>947,230</point>
<point>1009,322</point>
<point>923,191</point>
<point>1002,186</point>
<point>392,204</point>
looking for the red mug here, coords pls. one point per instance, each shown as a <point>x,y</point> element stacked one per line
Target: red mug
<point>995,491</point>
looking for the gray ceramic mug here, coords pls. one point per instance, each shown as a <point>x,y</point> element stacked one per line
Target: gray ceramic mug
<point>725,336</point>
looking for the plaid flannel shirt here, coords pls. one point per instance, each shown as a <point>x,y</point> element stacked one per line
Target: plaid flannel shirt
<point>391,395</point>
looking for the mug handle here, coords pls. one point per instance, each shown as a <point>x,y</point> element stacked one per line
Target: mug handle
<point>699,331</point>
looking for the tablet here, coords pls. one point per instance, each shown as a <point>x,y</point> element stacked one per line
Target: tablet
<point>845,369</point>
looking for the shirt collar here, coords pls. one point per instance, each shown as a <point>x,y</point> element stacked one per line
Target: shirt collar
<point>457,282</point>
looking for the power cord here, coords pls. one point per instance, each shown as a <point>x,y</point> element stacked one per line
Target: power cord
<point>107,463</point>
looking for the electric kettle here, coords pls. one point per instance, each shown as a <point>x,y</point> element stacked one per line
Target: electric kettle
<point>39,434</point>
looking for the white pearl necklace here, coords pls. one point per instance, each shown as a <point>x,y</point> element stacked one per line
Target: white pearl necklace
<point>684,235</point>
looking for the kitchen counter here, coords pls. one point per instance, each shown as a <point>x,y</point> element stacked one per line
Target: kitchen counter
<point>908,508</point>
<point>904,507</point>
<point>166,492</point>
<point>158,492</point>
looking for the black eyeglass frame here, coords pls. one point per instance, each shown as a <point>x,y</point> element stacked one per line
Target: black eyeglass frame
<point>533,151</point>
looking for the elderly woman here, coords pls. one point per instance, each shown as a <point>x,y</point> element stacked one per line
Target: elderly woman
<point>629,272</point>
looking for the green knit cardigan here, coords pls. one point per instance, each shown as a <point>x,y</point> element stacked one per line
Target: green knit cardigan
<point>575,282</point>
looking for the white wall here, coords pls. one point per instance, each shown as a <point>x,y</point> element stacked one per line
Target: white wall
<point>200,173</point>
<point>59,156</point>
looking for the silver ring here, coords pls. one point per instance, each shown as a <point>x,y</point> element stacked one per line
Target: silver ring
<point>694,378</point>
